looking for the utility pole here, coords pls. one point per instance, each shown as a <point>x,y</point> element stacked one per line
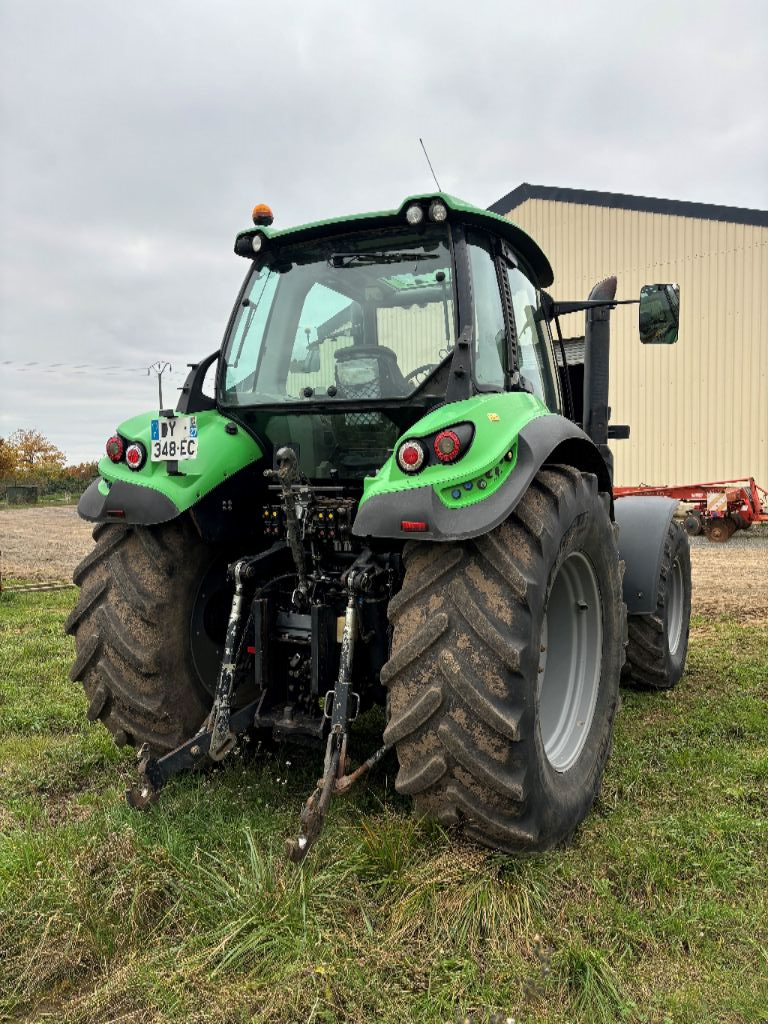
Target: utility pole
<point>159,368</point>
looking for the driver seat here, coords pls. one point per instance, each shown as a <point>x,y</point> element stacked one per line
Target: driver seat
<point>365,373</point>
<point>369,372</point>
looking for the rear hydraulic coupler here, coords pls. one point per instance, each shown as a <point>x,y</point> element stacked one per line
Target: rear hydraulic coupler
<point>288,474</point>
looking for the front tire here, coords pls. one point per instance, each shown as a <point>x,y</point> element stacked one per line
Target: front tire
<point>140,594</point>
<point>658,643</point>
<point>506,656</point>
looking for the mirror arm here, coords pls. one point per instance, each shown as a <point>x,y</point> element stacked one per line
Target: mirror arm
<point>561,308</point>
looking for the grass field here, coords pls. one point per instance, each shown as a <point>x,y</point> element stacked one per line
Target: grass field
<point>189,913</point>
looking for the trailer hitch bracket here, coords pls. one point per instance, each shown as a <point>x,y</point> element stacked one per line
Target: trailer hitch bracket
<point>359,580</point>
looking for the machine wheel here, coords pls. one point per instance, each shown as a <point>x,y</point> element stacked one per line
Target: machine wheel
<point>506,655</point>
<point>658,643</point>
<point>719,530</point>
<point>144,592</point>
<point>693,525</point>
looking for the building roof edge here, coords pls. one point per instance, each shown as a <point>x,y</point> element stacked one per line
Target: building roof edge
<point>620,201</point>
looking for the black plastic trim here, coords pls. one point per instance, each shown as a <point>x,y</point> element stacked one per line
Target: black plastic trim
<point>461,375</point>
<point>464,430</point>
<point>620,201</point>
<point>192,398</point>
<point>643,526</point>
<point>546,439</point>
<point>138,505</point>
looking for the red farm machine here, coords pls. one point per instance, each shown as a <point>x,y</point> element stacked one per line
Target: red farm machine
<point>717,509</point>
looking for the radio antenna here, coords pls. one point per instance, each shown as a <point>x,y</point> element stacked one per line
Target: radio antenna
<point>426,154</point>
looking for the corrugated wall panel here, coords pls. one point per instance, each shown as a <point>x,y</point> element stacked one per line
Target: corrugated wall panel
<point>699,409</point>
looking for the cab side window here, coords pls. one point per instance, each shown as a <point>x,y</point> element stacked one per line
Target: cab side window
<point>490,334</point>
<point>533,341</point>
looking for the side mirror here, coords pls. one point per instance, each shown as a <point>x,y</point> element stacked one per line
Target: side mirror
<point>659,314</point>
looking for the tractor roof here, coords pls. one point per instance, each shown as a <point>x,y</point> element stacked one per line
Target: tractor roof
<point>459,211</point>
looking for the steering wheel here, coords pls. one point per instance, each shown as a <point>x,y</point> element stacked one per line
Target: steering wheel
<point>425,369</point>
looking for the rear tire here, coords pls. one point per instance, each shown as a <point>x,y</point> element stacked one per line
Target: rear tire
<point>132,624</point>
<point>481,741</point>
<point>658,643</point>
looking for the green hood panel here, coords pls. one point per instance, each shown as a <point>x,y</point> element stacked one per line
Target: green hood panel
<point>497,419</point>
<point>220,455</point>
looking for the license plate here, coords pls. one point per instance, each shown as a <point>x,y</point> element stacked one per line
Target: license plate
<point>174,439</point>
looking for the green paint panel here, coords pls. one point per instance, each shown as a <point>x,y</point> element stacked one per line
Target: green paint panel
<point>498,419</point>
<point>220,455</point>
<point>474,489</point>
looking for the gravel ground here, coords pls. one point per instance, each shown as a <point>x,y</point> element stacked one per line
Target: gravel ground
<point>47,543</point>
<point>732,577</point>
<point>42,543</point>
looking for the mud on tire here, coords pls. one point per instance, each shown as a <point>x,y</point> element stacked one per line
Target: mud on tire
<point>131,627</point>
<point>658,643</point>
<point>464,707</point>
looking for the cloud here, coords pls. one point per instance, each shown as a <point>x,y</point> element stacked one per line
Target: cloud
<point>137,138</point>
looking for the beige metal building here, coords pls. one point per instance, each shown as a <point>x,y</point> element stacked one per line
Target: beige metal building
<point>699,409</point>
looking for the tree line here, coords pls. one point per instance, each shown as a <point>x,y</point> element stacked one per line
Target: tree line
<point>28,457</point>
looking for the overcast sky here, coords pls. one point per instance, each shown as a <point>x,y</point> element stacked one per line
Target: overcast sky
<point>137,136</point>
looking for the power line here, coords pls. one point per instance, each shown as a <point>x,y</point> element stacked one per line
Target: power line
<point>77,369</point>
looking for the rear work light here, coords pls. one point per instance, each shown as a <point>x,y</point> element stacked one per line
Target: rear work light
<point>410,456</point>
<point>414,214</point>
<point>115,448</point>
<point>135,455</point>
<point>438,211</point>
<point>447,446</point>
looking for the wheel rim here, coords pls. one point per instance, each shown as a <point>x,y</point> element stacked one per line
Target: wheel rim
<point>570,661</point>
<point>675,606</point>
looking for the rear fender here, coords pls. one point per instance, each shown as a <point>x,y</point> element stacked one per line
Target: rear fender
<point>506,456</point>
<point>156,494</point>
<point>643,526</point>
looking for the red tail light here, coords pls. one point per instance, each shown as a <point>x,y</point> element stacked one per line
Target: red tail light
<point>413,526</point>
<point>115,448</point>
<point>447,446</point>
<point>135,455</point>
<point>410,456</point>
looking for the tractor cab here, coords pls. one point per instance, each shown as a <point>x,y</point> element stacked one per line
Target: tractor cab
<point>345,334</point>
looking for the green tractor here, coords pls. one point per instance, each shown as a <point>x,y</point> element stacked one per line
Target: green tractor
<point>388,501</point>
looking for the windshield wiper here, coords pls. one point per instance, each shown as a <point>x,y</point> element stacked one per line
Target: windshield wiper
<point>351,259</point>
